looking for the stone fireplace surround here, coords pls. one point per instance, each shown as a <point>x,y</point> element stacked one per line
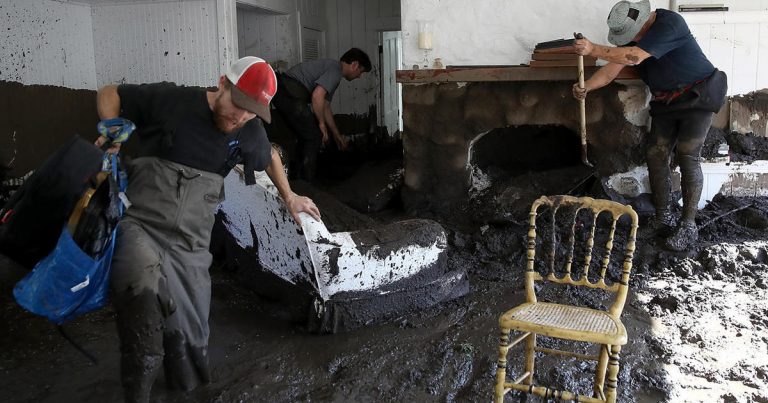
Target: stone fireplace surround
<point>446,111</point>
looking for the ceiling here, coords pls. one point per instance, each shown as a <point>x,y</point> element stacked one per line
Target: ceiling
<point>108,2</point>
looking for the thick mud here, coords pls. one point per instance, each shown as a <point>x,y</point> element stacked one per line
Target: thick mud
<point>741,147</point>
<point>696,321</point>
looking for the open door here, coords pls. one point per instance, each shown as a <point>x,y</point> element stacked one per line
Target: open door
<point>391,91</point>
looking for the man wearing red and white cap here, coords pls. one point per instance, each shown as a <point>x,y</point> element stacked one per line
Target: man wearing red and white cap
<point>189,139</point>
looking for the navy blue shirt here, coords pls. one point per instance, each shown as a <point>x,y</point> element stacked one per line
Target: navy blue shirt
<point>676,58</point>
<point>176,123</point>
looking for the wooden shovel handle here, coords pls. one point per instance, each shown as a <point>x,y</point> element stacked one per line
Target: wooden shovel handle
<point>582,109</point>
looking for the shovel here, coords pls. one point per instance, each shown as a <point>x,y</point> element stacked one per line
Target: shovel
<point>582,109</point>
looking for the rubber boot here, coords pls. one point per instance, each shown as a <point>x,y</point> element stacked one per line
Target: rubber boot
<point>660,179</point>
<point>662,224</point>
<point>140,327</point>
<point>186,367</point>
<point>691,184</point>
<point>685,235</point>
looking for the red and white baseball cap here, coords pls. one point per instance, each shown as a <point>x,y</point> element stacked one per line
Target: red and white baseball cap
<point>254,86</point>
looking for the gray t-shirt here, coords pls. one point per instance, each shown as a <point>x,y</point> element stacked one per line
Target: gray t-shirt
<point>323,72</point>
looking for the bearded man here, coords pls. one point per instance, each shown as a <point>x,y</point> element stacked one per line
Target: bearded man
<point>189,140</point>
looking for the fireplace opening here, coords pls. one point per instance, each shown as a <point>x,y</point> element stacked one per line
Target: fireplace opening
<point>512,151</point>
<point>513,166</point>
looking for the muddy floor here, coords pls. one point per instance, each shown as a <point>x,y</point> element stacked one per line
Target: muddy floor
<point>696,321</point>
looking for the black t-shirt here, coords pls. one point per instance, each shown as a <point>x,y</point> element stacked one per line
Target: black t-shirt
<point>676,58</point>
<point>176,123</point>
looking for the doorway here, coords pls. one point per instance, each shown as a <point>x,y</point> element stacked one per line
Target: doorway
<point>391,55</point>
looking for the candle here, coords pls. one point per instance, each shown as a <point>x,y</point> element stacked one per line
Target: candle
<point>425,40</point>
<point>425,34</point>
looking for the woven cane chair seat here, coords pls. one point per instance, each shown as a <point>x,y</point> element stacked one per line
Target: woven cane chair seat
<point>570,322</point>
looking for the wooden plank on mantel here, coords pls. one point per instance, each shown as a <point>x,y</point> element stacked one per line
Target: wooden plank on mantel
<point>509,73</point>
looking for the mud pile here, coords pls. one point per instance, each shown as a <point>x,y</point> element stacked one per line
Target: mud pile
<point>742,147</point>
<point>696,321</point>
<point>711,320</point>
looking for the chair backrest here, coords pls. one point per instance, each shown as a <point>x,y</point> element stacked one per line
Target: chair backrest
<point>582,276</point>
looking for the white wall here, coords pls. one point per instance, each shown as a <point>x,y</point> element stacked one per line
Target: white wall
<point>502,32</point>
<point>46,42</point>
<point>188,42</point>
<point>313,14</point>
<point>499,32</point>
<point>269,36</point>
<point>737,43</point>
<point>165,41</point>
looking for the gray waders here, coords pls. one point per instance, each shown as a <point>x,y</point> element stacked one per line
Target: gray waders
<point>161,288</point>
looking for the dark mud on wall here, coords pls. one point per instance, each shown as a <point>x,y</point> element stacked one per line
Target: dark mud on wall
<point>42,117</point>
<point>741,147</point>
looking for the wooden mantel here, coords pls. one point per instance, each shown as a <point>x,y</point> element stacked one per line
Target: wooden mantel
<point>500,73</point>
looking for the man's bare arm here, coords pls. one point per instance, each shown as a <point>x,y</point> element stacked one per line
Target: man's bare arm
<point>626,55</point>
<point>318,108</point>
<point>108,102</point>
<point>602,77</point>
<point>108,107</point>
<point>340,140</point>
<point>294,202</point>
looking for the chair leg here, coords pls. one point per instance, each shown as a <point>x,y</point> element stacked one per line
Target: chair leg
<point>613,373</point>
<point>530,358</point>
<point>600,370</point>
<point>501,367</point>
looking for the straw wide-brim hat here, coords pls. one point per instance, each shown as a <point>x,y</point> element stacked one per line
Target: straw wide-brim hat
<point>626,20</point>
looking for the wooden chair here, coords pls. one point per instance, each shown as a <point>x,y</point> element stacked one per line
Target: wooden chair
<point>570,322</point>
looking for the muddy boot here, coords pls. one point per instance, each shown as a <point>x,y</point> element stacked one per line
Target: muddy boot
<point>662,224</point>
<point>140,327</point>
<point>186,366</point>
<point>685,235</point>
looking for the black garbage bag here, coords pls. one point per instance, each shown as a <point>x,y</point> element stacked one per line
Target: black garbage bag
<point>31,221</point>
<point>99,219</point>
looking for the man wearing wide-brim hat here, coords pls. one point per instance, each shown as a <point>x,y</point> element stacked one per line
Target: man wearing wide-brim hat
<point>687,89</point>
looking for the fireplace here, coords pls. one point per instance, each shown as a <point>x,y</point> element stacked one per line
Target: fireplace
<point>459,121</point>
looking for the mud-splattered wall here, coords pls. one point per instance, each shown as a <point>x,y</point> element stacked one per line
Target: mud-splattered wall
<point>268,36</point>
<point>47,79</point>
<point>46,42</point>
<point>160,41</point>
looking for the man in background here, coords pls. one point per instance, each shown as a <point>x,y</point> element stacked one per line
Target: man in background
<point>304,101</point>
